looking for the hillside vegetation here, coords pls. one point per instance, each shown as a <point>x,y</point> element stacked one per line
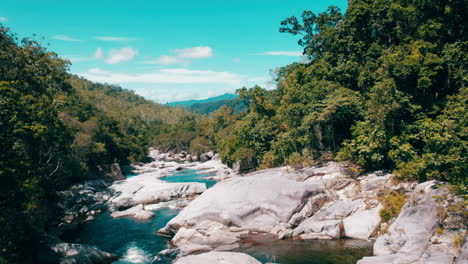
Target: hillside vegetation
<point>57,129</point>
<point>385,88</point>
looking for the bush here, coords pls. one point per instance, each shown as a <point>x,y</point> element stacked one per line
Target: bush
<point>299,161</point>
<point>392,203</point>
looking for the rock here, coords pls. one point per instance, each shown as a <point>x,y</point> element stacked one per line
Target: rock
<point>144,215</point>
<point>82,254</point>
<point>338,209</point>
<point>312,206</point>
<point>463,257</point>
<point>244,165</point>
<point>136,212</point>
<point>319,229</point>
<point>148,189</point>
<point>204,157</point>
<point>218,258</point>
<point>362,223</point>
<point>216,157</point>
<point>80,200</point>
<point>114,172</point>
<point>437,254</point>
<point>258,202</point>
<point>409,235</point>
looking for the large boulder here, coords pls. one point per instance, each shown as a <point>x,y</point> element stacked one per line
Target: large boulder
<point>319,229</point>
<point>137,212</point>
<point>206,156</point>
<point>244,165</point>
<point>148,189</point>
<point>263,201</point>
<point>218,258</point>
<point>110,171</point>
<point>362,223</point>
<point>409,235</point>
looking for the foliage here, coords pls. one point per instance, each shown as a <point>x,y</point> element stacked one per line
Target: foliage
<point>392,203</point>
<point>384,87</point>
<point>57,129</point>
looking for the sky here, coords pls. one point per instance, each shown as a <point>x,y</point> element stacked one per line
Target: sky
<point>166,50</point>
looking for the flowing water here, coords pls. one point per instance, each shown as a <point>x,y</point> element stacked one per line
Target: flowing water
<point>137,242</point>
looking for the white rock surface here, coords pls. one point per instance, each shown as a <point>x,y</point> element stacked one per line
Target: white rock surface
<point>148,189</point>
<point>463,257</point>
<point>263,201</point>
<point>314,203</point>
<point>362,223</point>
<point>319,229</point>
<point>137,212</point>
<point>218,258</point>
<point>408,237</point>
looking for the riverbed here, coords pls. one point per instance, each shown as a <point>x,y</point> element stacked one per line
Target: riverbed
<point>137,241</point>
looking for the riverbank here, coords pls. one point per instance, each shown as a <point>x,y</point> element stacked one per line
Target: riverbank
<point>306,205</point>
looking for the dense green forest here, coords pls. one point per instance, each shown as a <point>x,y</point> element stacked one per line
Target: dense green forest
<point>384,87</point>
<point>57,129</point>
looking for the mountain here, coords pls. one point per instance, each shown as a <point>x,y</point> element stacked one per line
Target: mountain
<point>226,96</point>
<point>209,107</point>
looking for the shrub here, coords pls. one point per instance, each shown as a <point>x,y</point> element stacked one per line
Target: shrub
<point>392,203</point>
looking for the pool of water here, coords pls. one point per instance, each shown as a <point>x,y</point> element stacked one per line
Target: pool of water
<point>137,242</point>
<point>134,240</point>
<point>189,175</point>
<point>339,251</point>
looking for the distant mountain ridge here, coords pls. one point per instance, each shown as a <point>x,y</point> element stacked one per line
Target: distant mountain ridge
<point>226,96</point>
<point>209,105</point>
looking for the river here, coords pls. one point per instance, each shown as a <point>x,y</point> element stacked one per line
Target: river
<point>137,242</point>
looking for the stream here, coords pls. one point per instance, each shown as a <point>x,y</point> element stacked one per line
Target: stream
<point>137,241</point>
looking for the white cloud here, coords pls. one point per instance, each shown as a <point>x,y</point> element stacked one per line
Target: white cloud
<point>98,54</point>
<point>194,53</point>
<point>183,56</point>
<point>108,38</point>
<point>281,53</point>
<point>3,19</point>
<point>164,60</point>
<point>236,59</point>
<point>65,38</point>
<point>166,76</point>
<point>119,55</point>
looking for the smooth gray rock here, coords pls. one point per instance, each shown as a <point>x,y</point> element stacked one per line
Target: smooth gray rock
<point>137,212</point>
<point>263,201</point>
<point>114,172</point>
<point>463,258</point>
<point>218,258</point>
<point>319,229</point>
<point>409,235</point>
<point>362,223</point>
<point>147,189</point>
<point>243,165</point>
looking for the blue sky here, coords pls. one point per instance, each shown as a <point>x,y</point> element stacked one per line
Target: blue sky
<point>166,50</point>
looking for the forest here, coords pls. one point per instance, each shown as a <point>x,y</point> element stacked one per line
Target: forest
<point>384,87</point>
